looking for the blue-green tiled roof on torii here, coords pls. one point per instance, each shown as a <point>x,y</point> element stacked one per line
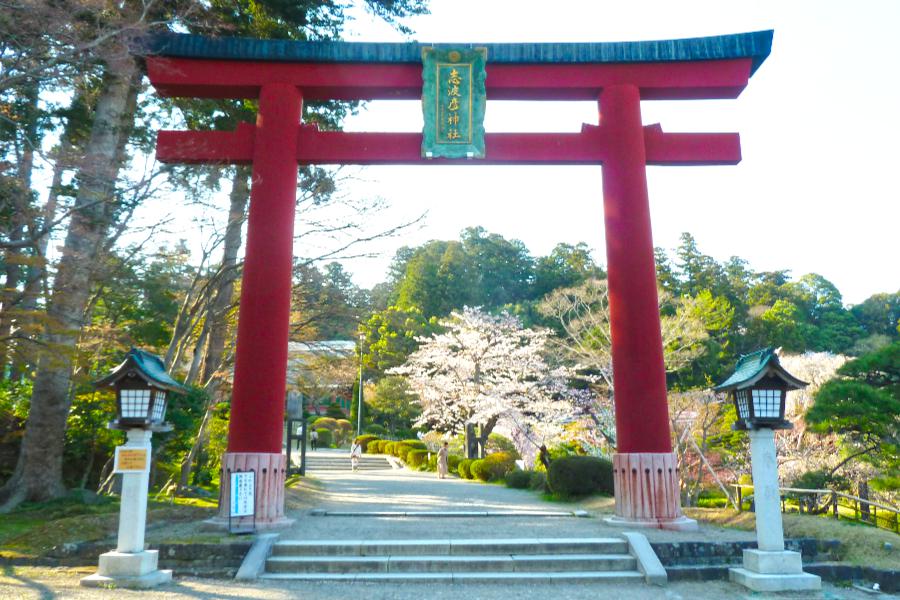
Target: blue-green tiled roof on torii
<point>754,45</point>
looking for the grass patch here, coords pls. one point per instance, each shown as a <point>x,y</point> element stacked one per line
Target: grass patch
<point>34,528</point>
<point>861,545</point>
<point>303,493</point>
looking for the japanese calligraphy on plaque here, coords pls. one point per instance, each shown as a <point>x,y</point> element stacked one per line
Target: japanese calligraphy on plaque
<point>453,102</point>
<point>130,460</point>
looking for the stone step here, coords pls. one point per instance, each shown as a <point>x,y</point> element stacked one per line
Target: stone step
<point>485,577</point>
<point>339,463</point>
<point>462,547</point>
<point>452,563</point>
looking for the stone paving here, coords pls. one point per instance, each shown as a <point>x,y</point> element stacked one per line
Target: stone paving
<point>410,491</point>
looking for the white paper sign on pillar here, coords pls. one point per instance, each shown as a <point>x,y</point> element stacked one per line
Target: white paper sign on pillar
<point>243,494</point>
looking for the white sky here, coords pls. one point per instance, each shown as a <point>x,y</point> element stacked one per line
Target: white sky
<point>817,190</point>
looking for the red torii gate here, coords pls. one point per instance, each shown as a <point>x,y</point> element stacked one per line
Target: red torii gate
<point>282,74</point>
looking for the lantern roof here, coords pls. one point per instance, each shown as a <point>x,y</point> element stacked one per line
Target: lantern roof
<point>750,368</point>
<point>148,367</point>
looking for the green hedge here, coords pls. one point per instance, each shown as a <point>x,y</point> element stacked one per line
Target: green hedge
<point>493,467</point>
<point>453,461</point>
<point>417,458</point>
<point>325,438</point>
<point>400,449</point>
<point>538,481</point>
<point>574,476</point>
<point>464,468</point>
<point>388,448</point>
<point>364,440</point>
<point>326,422</point>
<point>518,479</point>
<point>376,429</point>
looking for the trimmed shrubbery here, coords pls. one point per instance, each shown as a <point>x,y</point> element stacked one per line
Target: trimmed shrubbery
<point>574,476</point>
<point>518,479</point>
<point>325,438</point>
<point>453,461</point>
<point>464,468</point>
<point>538,481</point>
<point>415,459</point>
<point>376,429</point>
<point>493,467</point>
<point>364,440</point>
<point>326,422</point>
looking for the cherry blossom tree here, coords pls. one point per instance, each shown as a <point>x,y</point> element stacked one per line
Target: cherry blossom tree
<point>485,369</point>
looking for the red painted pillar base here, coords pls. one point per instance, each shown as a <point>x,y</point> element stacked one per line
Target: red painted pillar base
<point>647,492</point>
<point>270,472</point>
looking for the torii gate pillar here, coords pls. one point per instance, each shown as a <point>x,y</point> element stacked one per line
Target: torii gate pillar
<point>645,468</point>
<point>260,365</point>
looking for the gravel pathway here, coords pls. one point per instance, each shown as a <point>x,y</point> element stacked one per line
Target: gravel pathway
<point>62,584</point>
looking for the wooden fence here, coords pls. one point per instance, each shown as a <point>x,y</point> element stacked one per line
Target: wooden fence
<point>836,504</point>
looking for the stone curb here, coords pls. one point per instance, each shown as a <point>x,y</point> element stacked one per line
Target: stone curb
<point>254,562</point>
<point>201,560</point>
<point>731,553</point>
<point>647,561</point>
<point>889,580</point>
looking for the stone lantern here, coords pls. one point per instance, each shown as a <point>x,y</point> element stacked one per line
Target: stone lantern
<point>142,386</point>
<point>758,387</point>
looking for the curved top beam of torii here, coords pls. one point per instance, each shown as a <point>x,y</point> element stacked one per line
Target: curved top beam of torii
<point>197,66</point>
<point>707,67</point>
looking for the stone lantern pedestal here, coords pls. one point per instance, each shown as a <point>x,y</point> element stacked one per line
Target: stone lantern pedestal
<point>769,567</point>
<point>130,565</point>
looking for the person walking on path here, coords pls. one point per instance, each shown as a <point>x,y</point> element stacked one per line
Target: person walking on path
<point>355,453</point>
<point>442,455</point>
<point>314,439</point>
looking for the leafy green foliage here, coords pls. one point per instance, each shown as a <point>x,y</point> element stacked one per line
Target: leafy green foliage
<point>863,407</point>
<point>574,476</point>
<point>334,411</point>
<point>518,479</point>
<point>417,458</point>
<point>493,467</point>
<point>364,441</point>
<point>393,404</point>
<point>326,438</point>
<point>464,468</point>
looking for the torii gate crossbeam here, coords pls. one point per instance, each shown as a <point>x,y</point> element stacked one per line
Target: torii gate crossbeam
<point>282,74</point>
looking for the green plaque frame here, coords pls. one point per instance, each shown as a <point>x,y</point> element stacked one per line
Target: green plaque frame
<point>453,102</point>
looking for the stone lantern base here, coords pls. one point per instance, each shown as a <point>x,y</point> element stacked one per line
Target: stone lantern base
<point>128,570</point>
<point>779,571</point>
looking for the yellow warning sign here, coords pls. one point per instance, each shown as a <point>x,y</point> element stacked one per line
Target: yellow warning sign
<point>131,460</point>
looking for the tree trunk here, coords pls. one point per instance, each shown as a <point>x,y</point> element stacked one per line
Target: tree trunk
<point>10,300</point>
<point>864,511</point>
<point>217,315</point>
<point>221,304</point>
<point>38,473</point>
<point>485,432</point>
<point>471,442</point>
